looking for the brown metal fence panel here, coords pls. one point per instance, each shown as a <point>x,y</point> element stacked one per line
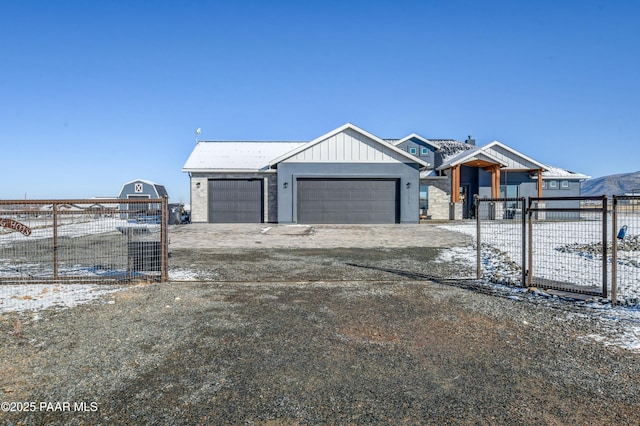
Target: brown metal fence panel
<point>83,241</point>
<point>626,249</point>
<point>501,255</point>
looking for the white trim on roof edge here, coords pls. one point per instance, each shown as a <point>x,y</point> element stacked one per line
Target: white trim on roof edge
<point>263,170</point>
<point>340,129</point>
<point>513,151</point>
<point>463,156</point>
<point>417,136</point>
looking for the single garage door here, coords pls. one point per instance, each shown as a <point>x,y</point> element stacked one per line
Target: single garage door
<point>348,201</point>
<point>235,201</point>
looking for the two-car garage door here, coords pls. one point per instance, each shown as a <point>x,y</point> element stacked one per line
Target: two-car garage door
<point>348,200</point>
<point>317,200</point>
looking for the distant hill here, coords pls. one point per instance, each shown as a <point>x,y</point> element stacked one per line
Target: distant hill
<point>612,185</point>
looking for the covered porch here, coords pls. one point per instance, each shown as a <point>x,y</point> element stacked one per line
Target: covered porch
<point>466,173</point>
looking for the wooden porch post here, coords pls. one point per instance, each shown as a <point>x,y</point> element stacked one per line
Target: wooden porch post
<point>495,181</point>
<point>540,183</point>
<point>455,184</point>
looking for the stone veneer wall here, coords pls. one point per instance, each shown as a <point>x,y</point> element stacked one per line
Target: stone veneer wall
<point>271,198</point>
<point>199,200</point>
<point>200,195</point>
<point>438,204</point>
<point>439,197</point>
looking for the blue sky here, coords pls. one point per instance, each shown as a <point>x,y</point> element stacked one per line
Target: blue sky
<point>97,93</point>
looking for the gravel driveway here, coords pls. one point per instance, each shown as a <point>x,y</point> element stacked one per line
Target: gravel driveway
<point>314,325</point>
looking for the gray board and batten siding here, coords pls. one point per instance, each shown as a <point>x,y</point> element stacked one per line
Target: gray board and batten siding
<point>393,187</point>
<point>341,161</point>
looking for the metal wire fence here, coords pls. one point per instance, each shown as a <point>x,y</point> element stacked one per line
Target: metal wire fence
<point>626,249</point>
<point>83,241</point>
<point>501,255</point>
<point>576,244</point>
<point>567,244</point>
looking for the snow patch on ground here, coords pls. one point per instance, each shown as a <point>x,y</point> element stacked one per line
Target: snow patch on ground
<point>35,297</point>
<point>620,325</point>
<point>183,275</point>
<point>458,254</point>
<point>622,328</point>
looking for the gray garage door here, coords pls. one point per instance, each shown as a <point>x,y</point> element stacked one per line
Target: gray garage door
<point>235,201</point>
<point>348,201</point>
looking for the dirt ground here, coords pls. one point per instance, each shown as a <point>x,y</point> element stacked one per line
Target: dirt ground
<point>303,335</point>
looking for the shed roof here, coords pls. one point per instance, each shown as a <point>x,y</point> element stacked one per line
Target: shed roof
<point>160,189</point>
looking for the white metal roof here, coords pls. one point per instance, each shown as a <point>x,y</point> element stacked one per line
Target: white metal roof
<point>236,155</point>
<point>558,173</point>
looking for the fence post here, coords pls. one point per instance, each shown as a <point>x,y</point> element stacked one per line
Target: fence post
<point>522,202</point>
<point>530,268</point>
<point>605,275</point>
<point>164,241</point>
<point>614,253</point>
<point>54,209</point>
<point>478,254</point>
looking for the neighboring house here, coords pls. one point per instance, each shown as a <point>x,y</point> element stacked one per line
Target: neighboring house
<point>352,176</point>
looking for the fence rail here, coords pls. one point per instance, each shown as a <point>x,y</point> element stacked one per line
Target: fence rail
<point>83,241</point>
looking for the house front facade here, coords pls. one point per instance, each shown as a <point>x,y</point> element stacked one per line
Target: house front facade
<point>349,175</point>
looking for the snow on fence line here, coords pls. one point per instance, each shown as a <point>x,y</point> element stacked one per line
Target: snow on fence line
<point>83,241</point>
<point>583,251</point>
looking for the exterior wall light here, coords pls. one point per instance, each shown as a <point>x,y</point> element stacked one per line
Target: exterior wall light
<point>285,185</point>
<point>408,185</point>
<point>197,184</point>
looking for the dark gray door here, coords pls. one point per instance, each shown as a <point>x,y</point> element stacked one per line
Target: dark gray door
<point>348,201</point>
<point>235,201</point>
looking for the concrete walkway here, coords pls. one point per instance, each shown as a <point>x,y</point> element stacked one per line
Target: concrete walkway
<point>250,235</point>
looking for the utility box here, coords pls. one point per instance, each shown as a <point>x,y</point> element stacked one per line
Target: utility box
<point>144,248</point>
<point>144,256</point>
<point>175,213</point>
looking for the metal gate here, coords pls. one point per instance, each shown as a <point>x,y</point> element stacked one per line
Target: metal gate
<point>554,243</point>
<point>567,244</point>
<point>83,241</point>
